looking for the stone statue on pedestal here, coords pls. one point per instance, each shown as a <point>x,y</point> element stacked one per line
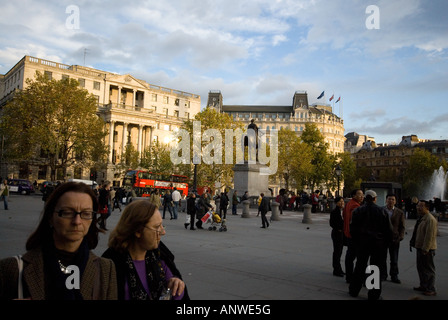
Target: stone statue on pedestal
<point>251,140</point>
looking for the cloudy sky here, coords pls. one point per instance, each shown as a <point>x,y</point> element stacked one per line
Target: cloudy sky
<point>389,65</point>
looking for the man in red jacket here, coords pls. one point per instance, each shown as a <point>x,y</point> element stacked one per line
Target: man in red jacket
<point>350,254</point>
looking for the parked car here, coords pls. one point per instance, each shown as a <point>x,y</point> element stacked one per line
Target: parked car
<point>20,186</point>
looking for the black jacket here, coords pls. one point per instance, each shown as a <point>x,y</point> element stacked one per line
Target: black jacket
<point>191,205</point>
<point>336,221</point>
<point>265,205</point>
<point>120,261</point>
<point>371,223</point>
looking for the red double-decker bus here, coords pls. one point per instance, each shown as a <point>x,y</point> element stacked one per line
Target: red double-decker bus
<point>145,181</point>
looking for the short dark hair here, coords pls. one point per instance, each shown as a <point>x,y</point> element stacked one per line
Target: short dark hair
<point>44,233</point>
<point>391,195</point>
<point>337,199</point>
<point>426,203</point>
<point>353,193</point>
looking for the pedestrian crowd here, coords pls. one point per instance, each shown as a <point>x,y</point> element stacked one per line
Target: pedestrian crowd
<point>137,265</point>
<point>59,263</point>
<point>371,233</point>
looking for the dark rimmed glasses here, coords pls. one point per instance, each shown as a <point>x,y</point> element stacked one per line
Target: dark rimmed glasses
<point>70,214</point>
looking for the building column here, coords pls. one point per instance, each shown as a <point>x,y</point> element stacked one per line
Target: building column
<point>134,93</point>
<point>139,141</point>
<point>111,139</point>
<point>119,96</point>
<point>124,137</point>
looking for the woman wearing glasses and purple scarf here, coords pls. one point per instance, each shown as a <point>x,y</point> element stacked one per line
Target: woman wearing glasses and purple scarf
<point>145,266</point>
<point>59,263</point>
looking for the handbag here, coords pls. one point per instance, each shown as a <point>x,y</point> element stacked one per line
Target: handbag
<point>20,285</point>
<point>103,210</point>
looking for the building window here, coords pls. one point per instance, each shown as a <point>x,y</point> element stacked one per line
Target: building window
<point>82,82</point>
<point>176,102</point>
<point>166,100</point>
<point>187,104</point>
<point>48,75</point>
<point>176,113</point>
<point>65,77</point>
<point>187,115</point>
<point>96,85</point>
<point>154,97</point>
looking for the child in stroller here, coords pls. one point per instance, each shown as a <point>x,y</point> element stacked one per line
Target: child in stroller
<point>215,221</point>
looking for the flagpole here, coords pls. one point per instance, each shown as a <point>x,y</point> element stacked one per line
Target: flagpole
<point>332,108</point>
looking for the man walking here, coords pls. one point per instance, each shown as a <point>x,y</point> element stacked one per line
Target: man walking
<point>398,227</point>
<point>176,201</point>
<point>371,233</point>
<point>264,208</point>
<point>425,235</point>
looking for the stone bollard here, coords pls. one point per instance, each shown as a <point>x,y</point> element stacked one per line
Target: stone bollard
<point>275,212</point>
<point>245,213</point>
<point>307,214</point>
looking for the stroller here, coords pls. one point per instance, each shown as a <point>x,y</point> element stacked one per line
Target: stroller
<point>215,221</point>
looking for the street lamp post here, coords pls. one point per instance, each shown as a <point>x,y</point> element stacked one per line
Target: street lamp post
<point>195,179</point>
<point>338,172</point>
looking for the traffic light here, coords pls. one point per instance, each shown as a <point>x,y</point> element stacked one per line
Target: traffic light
<point>93,176</point>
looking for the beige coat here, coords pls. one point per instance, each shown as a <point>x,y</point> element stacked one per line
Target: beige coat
<point>99,280</point>
<point>426,236</point>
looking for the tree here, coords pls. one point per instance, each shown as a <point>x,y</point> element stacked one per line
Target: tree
<point>129,160</point>
<point>349,173</point>
<point>322,162</point>
<point>419,171</point>
<point>219,171</point>
<point>54,122</point>
<point>294,159</point>
<point>157,158</point>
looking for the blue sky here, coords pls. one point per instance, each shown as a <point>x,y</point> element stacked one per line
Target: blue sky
<point>393,81</point>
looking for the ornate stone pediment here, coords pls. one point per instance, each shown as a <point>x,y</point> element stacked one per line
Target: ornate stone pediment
<point>127,80</point>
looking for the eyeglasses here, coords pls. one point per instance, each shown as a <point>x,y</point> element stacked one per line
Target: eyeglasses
<point>158,229</point>
<point>70,214</point>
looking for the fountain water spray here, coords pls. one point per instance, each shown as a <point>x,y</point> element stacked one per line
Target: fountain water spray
<point>437,185</point>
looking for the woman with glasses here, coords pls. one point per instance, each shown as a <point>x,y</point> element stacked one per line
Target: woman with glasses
<point>59,263</point>
<point>145,266</point>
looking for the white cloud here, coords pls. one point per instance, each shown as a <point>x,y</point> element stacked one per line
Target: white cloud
<point>256,52</point>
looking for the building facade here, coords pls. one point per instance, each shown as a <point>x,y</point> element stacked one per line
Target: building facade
<point>294,117</point>
<point>389,162</point>
<point>134,111</point>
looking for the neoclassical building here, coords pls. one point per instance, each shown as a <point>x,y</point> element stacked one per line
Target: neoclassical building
<point>134,111</point>
<point>293,116</point>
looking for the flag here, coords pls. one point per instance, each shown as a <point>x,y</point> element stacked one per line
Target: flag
<point>321,95</point>
<point>338,100</point>
<point>332,97</point>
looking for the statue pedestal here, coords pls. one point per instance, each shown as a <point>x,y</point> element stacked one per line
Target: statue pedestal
<point>247,177</point>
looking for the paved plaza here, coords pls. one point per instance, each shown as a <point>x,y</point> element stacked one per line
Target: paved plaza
<point>288,261</point>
